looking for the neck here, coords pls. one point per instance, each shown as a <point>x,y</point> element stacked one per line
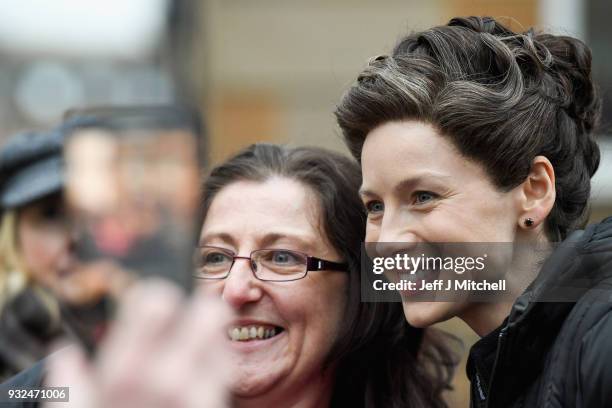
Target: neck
<point>312,393</point>
<point>483,318</point>
<point>527,259</point>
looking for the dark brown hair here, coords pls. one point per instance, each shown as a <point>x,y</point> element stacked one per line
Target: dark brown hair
<point>500,97</point>
<point>381,361</point>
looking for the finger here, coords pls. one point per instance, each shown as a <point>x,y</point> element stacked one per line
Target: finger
<point>214,368</point>
<point>202,334</point>
<point>70,368</point>
<point>147,313</point>
<point>194,359</point>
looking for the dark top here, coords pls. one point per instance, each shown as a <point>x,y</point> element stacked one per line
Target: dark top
<point>32,377</point>
<point>555,347</point>
<point>27,328</point>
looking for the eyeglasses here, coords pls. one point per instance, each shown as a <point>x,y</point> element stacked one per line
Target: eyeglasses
<point>272,265</point>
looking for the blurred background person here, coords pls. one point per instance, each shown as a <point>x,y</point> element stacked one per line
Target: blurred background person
<point>35,247</point>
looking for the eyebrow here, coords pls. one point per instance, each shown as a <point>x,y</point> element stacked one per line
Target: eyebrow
<point>271,238</point>
<point>409,182</point>
<point>267,239</point>
<point>222,236</point>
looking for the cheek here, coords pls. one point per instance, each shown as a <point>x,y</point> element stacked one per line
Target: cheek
<point>313,311</point>
<point>208,289</point>
<point>40,252</point>
<point>485,220</point>
<point>372,232</point>
<point>34,251</point>
<point>494,219</point>
<point>322,312</point>
<point>490,209</point>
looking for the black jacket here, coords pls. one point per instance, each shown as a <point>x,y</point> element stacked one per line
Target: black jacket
<point>552,353</point>
<point>33,377</point>
<point>27,327</point>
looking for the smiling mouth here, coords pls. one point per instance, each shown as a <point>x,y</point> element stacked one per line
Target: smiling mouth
<point>253,332</point>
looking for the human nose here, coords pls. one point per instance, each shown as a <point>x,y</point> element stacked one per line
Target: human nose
<point>241,286</point>
<point>395,236</point>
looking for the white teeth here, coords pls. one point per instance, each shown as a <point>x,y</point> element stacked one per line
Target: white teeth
<point>235,334</point>
<point>246,333</point>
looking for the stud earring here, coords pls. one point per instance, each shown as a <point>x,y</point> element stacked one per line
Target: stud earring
<point>529,222</point>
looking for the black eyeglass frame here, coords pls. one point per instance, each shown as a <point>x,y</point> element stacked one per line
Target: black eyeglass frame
<point>313,264</point>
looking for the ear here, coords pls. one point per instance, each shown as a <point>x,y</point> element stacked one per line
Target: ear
<point>536,195</point>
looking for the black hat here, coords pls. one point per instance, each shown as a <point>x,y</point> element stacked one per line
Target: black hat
<point>31,167</point>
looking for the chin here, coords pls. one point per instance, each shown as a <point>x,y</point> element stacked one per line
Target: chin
<point>425,314</point>
<point>256,377</point>
<point>244,387</point>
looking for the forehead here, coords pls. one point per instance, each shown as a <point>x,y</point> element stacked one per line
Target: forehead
<point>278,205</point>
<point>405,142</point>
<point>396,150</point>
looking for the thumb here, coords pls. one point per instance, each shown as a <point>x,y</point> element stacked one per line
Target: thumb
<point>69,367</point>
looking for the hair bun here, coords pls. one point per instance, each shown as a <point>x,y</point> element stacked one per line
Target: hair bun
<point>571,65</point>
<point>481,25</point>
<point>566,59</point>
<point>558,68</point>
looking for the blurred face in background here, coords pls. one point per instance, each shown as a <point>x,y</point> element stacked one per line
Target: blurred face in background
<point>303,315</point>
<point>44,240</point>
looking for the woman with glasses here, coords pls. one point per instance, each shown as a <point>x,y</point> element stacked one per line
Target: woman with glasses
<point>280,244</point>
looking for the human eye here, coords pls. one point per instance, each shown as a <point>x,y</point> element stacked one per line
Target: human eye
<point>424,197</point>
<point>213,262</point>
<point>52,212</point>
<point>215,257</point>
<point>280,257</point>
<point>374,207</point>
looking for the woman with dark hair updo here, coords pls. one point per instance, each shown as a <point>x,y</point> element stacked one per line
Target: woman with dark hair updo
<point>473,133</point>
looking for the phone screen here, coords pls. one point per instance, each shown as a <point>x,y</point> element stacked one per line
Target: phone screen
<point>132,189</point>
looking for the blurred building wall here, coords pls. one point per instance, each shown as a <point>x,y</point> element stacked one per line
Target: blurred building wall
<point>275,69</point>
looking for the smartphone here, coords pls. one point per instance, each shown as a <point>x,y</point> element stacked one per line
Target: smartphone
<point>133,194</point>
